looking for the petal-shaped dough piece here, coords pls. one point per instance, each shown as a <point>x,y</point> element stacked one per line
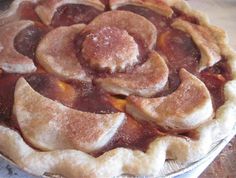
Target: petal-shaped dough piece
<point>49,125</point>
<point>133,23</point>
<point>47,9</point>
<point>188,107</point>
<point>157,6</point>
<point>11,13</point>
<point>205,41</point>
<point>146,80</point>
<point>60,58</point>
<point>10,60</point>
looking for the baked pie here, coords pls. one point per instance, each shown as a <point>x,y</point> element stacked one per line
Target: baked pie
<point>108,88</point>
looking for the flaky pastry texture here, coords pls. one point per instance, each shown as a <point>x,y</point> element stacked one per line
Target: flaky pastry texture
<point>74,163</point>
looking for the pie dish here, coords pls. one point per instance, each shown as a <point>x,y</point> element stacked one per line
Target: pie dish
<point>119,91</point>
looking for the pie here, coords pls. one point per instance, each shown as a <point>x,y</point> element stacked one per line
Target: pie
<point>109,88</point>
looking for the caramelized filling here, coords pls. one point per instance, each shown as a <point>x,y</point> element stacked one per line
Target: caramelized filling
<point>106,3</point>
<point>177,46</point>
<point>81,96</point>
<point>94,100</point>
<point>26,11</point>
<point>182,15</point>
<point>7,88</point>
<point>70,14</point>
<point>180,52</point>
<point>215,78</point>
<point>52,88</point>
<point>161,22</point>
<point>27,40</point>
<point>133,134</point>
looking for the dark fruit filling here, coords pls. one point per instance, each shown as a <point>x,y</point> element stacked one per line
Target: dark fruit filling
<point>74,13</point>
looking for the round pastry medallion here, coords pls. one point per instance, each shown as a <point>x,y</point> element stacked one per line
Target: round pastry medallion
<point>110,48</point>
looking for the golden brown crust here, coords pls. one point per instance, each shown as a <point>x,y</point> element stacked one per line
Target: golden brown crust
<point>12,61</point>
<point>145,80</point>
<point>48,125</point>
<point>52,56</point>
<point>110,48</point>
<point>72,163</point>
<point>185,109</point>
<point>205,41</point>
<point>47,8</point>
<point>134,24</point>
<point>157,6</point>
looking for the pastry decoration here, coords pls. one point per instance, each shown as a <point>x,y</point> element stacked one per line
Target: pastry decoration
<point>12,61</point>
<point>145,80</point>
<point>157,6</point>
<point>47,8</point>
<point>110,48</point>
<point>205,41</point>
<point>48,125</point>
<point>60,58</point>
<point>112,45</point>
<point>188,107</point>
<point>134,24</point>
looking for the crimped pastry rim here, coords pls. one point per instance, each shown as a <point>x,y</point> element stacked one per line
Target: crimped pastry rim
<point>223,122</point>
<point>219,146</point>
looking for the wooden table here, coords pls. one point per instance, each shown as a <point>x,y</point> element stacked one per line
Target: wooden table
<point>224,166</point>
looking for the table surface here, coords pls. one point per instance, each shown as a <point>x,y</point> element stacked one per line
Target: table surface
<point>224,165</point>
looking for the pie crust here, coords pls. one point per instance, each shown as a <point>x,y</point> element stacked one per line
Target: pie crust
<point>47,9</point>
<point>134,24</point>
<point>10,60</point>
<point>62,127</point>
<point>186,108</point>
<point>119,161</point>
<point>145,80</point>
<point>207,44</point>
<point>124,50</point>
<point>156,6</point>
<point>53,56</point>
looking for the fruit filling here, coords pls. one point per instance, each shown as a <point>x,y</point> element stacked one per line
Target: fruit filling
<point>28,39</point>
<point>74,13</point>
